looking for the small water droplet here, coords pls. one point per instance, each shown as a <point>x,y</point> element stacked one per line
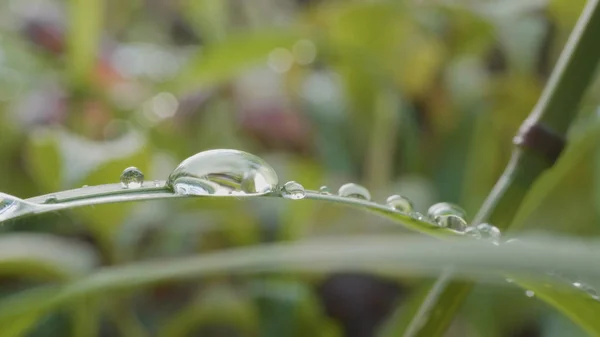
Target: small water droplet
<point>400,203</point>
<point>509,280</point>
<point>418,216</point>
<point>324,190</point>
<point>352,190</point>
<point>489,232</point>
<point>473,232</point>
<point>84,186</point>
<point>156,183</point>
<point>132,177</point>
<point>293,190</point>
<point>51,199</point>
<point>448,215</point>
<point>529,293</point>
<point>223,172</point>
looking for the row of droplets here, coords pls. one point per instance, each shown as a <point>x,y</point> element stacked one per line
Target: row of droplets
<point>443,214</point>
<point>227,172</point>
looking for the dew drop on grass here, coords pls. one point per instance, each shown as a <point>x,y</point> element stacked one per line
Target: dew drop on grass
<point>51,199</point>
<point>489,232</point>
<point>418,216</point>
<point>352,190</point>
<point>132,177</point>
<point>223,172</point>
<point>529,293</point>
<point>156,183</point>
<point>473,232</point>
<point>324,190</point>
<point>448,215</point>
<point>293,190</point>
<point>400,203</point>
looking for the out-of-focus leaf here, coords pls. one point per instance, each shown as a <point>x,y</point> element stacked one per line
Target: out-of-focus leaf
<point>218,306</point>
<point>563,198</point>
<point>226,59</point>
<point>566,12</point>
<point>44,257</point>
<point>209,16</point>
<point>44,160</point>
<point>85,27</point>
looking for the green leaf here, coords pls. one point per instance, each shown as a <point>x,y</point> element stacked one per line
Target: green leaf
<point>85,27</point>
<point>224,60</point>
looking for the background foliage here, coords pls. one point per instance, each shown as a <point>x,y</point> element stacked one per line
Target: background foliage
<point>406,97</point>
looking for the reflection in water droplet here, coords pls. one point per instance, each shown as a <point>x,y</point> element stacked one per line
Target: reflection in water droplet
<point>448,215</point>
<point>473,232</point>
<point>293,190</point>
<point>324,190</point>
<point>132,177</point>
<point>10,206</point>
<point>400,203</point>
<point>223,172</point>
<point>529,293</point>
<point>51,199</point>
<point>352,190</point>
<point>489,232</point>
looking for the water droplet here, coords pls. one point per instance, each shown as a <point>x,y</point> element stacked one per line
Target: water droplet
<point>51,199</point>
<point>418,216</point>
<point>156,183</point>
<point>84,186</point>
<point>223,172</point>
<point>473,232</point>
<point>400,203</point>
<point>448,215</point>
<point>293,190</point>
<point>352,190</point>
<point>11,206</point>
<point>132,177</point>
<point>509,280</point>
<point>529,293</point>
<point>324,190</point>
<point>489,232</point>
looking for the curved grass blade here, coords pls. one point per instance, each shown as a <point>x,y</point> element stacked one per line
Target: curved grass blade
<point>394,255</point>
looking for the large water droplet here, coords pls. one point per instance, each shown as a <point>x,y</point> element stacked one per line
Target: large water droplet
<point>400,203</point>
<point>489,232</point>
<point>11,206</point>
<point>352,190</point>
<point>223,172</point>
<point>293,190</point>
<point>448,215</point>
<point>132,177</point>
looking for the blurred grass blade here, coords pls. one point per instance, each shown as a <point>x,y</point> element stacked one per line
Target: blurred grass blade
<point>228,58</point>
<point>83,37</point>
<point>386,254</point>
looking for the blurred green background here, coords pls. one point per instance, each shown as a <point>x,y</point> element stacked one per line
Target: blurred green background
<point>419,98</point>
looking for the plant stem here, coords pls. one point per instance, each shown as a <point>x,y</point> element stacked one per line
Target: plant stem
<point>537,146</point>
